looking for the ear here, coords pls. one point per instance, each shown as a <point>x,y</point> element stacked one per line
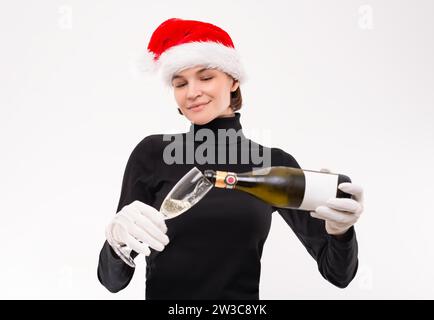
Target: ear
<point>235,85</point>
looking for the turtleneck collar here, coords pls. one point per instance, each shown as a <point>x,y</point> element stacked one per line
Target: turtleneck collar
<point>225,123</point>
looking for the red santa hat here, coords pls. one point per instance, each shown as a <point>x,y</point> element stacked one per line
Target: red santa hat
<point>179,44</point>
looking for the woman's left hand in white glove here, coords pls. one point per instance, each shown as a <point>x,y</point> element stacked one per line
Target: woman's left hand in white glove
<point>341,213</point>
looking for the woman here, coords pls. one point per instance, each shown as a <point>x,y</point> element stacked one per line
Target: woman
<point>213,251</point>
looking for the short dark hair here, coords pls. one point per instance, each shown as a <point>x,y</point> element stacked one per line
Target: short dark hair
<point>236,99</point>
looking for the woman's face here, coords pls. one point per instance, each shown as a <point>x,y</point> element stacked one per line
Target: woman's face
<point>203,94</point>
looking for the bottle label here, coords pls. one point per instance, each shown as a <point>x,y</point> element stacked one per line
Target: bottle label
<point>319,188</point>
<point>230,180</point>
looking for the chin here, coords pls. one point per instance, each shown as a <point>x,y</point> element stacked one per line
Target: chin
<point>201,119</point>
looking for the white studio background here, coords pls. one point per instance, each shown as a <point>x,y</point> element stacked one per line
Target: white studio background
<point>344,85</point>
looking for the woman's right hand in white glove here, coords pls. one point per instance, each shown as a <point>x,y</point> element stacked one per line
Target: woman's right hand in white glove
<point>138,226</point>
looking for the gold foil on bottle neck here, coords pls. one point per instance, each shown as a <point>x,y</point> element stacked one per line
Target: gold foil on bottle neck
<point>220,180</point>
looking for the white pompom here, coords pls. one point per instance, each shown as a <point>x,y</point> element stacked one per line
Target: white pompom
<point>146,63</point>
<point>142,64</point>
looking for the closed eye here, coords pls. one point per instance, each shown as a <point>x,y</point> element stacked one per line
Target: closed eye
<point>183,84</point>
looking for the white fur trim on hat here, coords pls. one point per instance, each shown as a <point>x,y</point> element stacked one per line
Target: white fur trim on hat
<point>207,54</point>
<point>147,64</point>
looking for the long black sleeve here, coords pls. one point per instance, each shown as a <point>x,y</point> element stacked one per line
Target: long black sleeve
<point>336,258</point>
<point>113,273</point>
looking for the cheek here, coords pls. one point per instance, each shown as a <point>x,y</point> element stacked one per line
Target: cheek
<point>222,95</point>
<point>217,92</point>
<point>179,97</point>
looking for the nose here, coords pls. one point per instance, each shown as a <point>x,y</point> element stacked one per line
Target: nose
<point>193,90</point>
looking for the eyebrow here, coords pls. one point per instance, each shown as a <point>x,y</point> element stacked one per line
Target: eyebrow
<point>199,71</point>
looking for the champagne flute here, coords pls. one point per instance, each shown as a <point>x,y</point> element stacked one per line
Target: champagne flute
<point>188,191</point>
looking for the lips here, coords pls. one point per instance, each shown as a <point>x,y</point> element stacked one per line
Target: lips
<point>198,105</point>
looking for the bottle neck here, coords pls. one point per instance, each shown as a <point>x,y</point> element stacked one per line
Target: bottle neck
<point>221,179</point>
<point>229,180</point>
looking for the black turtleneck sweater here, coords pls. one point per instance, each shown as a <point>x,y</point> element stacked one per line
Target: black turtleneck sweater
<point>216,246</point>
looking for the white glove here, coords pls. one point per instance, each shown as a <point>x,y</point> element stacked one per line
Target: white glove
<point>138,226</point>
<point>341,213</point>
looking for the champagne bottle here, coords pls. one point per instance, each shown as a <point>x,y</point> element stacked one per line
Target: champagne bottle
<point>283,187</point>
